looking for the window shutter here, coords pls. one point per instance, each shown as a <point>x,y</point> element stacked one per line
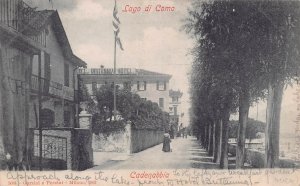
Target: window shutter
<point>66,74</point>
<point>47,72</point>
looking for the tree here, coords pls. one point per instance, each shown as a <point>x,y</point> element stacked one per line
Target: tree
<point>213,101</point>
<point>256,44</point>
<point>143,114</point>
<point>281,65</point>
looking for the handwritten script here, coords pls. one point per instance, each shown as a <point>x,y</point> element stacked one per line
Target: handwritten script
<point>178,177</point>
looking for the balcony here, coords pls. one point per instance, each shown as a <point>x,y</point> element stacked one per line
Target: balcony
<point>51,88</point>
<point>17,15</point>
<point>34,86</point>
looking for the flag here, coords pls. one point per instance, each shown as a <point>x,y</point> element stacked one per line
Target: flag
<point>116,21</point>
<point>119,43</point>
<point>115,12</point>
<point>116,24</point>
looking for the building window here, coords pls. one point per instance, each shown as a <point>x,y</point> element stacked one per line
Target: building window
<point>175,111</point>
<point>161,102</point>
<point>175,99</point>
<point>127,85</point>
<point>67,80</point>
<point>98,86</point>
<point>141,85</point>
<point>67,118</point>
<point>47,118</point>
<point>161,85</point>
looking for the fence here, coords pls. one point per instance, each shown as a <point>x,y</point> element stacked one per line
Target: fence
<point>54,147</point>
<point>64,148</point>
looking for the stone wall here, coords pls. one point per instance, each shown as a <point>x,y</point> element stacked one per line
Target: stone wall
<point>117,141</point>
<point>129,140</point>
<point>142,139</point>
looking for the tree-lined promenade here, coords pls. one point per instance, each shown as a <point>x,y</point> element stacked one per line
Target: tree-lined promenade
<point>244,51</point>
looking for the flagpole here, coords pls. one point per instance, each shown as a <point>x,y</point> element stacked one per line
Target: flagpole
<point>115,78</point>
<point>116,22</point>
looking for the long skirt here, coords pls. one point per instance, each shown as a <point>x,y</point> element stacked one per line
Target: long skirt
<point>166,145</point>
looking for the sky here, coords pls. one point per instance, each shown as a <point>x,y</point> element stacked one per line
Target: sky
<point>151,40</point>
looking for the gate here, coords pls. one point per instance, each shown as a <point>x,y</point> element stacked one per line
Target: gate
<point>54,148</point>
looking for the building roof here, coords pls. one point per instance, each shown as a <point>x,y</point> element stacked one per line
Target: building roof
<point>61,35</point>
<point>143,72</point>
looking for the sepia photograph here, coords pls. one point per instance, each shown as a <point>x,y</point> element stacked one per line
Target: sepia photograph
<point>176,91</point>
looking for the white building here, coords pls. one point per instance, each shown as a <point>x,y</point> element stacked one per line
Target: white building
<point>175,109</point>
<point>148,85</point>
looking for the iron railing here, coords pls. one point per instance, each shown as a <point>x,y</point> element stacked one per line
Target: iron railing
<point>35,84</point>
<point>51,88</point>
<point>54,147</point>
<point>19,16</point>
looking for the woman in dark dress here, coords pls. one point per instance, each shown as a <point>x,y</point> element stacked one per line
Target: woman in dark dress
<point>166,143</point>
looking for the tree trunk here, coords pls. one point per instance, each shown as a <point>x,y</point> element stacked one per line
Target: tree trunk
<point>211,134</point>
<point>2,150</point>
<point>244,105</point>
<point>220,141</point>
<point>273,125</point>
<point>217,152</point>
<point>214,138</point>
<point>224,152</point>
<point>206,136</point>
<point>203,136</point>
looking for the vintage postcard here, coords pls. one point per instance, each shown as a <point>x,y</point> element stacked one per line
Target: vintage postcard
<point>149,92</point>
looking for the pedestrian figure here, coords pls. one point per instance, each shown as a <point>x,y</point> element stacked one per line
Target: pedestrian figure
<point>185,133</point>
<point>166,143</point>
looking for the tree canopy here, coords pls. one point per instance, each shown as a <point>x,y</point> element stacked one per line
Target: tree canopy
<point>142,114</point>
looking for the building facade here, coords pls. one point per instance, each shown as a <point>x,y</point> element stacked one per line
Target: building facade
<point>175,109</point>
<point>148,85</point>
<point>33,51</point>
<point>59,77</point>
